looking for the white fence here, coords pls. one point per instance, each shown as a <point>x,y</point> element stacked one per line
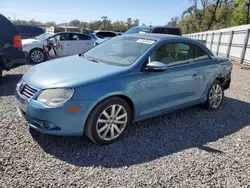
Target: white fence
<point>233,43</point>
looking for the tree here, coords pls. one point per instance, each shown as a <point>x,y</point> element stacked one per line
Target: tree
<point>51,23</point>
<point>173,22</point>
<point>129,23</point>
<point>240,13</point>
<point>136,22</point>
<point>74,23</point>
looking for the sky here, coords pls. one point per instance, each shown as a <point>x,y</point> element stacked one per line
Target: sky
<point>155,12</point>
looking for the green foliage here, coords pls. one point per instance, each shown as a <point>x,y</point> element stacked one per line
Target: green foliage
<point>214,14</point>
<point>240,12</point>
<point>103,24</point>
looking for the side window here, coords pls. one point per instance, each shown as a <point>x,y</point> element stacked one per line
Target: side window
<point>178,53</point>
<point>84,37</point>
<point>159,30</point>
<point>63,36</point>
<point>80,37</point>
<point>199,54</point>
<point>173,54</point>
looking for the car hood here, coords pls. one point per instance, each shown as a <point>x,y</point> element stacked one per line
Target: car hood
<point>72,71</point>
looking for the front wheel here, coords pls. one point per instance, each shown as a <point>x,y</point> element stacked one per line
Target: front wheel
<point>108,120</point>
<point>215,96</point>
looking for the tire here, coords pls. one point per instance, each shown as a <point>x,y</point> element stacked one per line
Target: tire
<point>36,55</point>
<point>93,123</point>
<point>218,97</point>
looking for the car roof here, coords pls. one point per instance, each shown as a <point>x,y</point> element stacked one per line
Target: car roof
<point>154,36</point>
<point>147,27</point>
<point>70,32</point>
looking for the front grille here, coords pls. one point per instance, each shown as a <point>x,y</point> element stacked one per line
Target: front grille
<point>28,91</point>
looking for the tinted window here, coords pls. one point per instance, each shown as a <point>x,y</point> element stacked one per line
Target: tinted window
<point>159,30</point>
<point>138,30</point>
<point>105,34</point>
<point>200,54</point>
<point>173,31</point>
<point>80,37</point>
<point>178,53</point>
<point>29,31</point>
<point>63,36</point>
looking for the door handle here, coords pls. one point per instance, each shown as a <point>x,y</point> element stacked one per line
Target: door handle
<point>68,44</point>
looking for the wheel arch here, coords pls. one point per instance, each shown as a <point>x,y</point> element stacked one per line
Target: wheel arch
<point>120,95</point>
<point>36,48</point>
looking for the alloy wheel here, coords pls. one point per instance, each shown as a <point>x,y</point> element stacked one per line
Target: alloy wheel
<point>215,96</point>
<point>37,56</point>
<point>112,122</point>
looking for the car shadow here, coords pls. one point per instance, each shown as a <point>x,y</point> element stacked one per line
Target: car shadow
<point>8,84</point>
<point>153,138</point>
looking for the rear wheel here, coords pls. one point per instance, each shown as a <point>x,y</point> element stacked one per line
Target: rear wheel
<point>215,96</point>
<point>108,120</point>
<point>37,55</point>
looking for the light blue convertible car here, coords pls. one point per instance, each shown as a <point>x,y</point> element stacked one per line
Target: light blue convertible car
<point>125,79</point>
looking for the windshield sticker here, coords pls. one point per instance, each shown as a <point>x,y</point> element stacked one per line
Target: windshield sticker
<point>142,32</point>
<point>145,41</point>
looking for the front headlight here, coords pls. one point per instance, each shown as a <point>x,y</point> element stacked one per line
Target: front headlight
<point>55,97</point>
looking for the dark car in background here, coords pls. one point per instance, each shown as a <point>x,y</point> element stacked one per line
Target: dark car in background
<point>28,31</point>
<point>155,29</point>
<point>11,54</point>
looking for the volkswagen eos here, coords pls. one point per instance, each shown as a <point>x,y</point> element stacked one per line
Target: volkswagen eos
<point>125,79</point>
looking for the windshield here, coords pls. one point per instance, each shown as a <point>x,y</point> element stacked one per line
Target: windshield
<point>120,50</point>
<point>43,36</point>
<point>138,30</point>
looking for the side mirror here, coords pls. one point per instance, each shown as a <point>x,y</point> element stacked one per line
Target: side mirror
<point>156,66</point>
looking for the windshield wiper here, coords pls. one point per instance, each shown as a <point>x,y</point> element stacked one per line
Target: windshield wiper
<point>89,59</point>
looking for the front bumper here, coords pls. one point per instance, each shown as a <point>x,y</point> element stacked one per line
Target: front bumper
<point>55,121</point>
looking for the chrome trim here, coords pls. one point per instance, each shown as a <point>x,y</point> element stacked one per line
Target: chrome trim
<point>30,91</point>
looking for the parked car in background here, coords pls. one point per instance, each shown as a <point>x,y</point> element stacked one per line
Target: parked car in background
<point>28,31</point>
<point>155,29</point>
<point>104,35</point>
<point>125,79</point>
<point>11,54</point>
<point>69,43</point>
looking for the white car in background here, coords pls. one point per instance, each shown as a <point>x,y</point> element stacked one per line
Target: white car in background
<point>71,43</point>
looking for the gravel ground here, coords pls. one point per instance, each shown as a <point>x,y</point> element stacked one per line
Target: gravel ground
<point>188,148</point>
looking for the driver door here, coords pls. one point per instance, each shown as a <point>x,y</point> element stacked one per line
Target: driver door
<point>173,88</point>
